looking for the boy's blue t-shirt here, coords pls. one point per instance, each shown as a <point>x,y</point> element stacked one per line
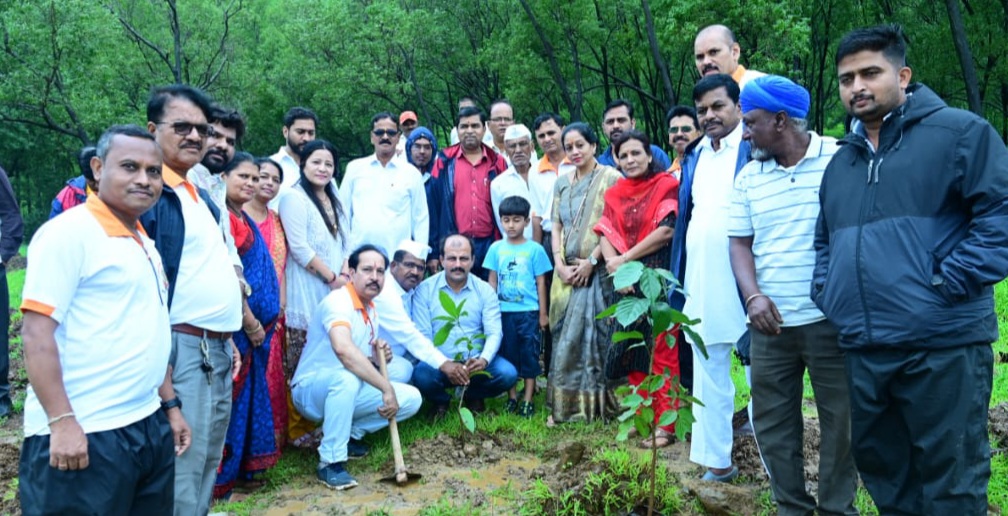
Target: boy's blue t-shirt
<point>517,267</point>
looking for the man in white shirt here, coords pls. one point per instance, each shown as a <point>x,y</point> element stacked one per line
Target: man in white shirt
<point>771,234</point>
<point>395,306</point>
<point>204,293</point>
<point>299,127</point>
<point>516,180</point>
<point>700,260</point>
<point>337,382</point>
<point>101,420</point>
<point>383,198</point>
<point>716,51</point>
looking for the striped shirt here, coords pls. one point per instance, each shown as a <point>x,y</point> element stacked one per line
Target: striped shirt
<point>778,207</point>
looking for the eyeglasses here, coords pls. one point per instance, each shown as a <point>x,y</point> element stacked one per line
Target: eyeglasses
<point>385,132</point>
<point>501,120</point>
<point>412,266</point>
<point>681,129</point>
<point>185,128</point>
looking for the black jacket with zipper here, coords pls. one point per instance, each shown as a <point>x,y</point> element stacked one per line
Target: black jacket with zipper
<point>912,236</point>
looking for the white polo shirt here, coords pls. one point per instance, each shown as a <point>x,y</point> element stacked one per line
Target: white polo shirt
<point>341,307</point>
<point>384,204</point>
<point>207,294</point>
<point>542,184</point>
<point>778,207</point>
<point>108,292</point>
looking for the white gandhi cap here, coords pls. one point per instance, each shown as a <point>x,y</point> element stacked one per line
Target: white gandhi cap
<point>415,248</point>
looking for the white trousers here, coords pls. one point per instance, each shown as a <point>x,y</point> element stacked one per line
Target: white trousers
<point>712,385</point>
<point>347,407</point>
<point>399,369</point>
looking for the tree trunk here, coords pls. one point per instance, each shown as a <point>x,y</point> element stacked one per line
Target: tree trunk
<point>176,67</point>
<point>670,96</point>
<point>965,57</point>
<point>551,59</point>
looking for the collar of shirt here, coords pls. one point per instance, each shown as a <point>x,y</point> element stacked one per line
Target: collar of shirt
<point>173,180</point>
<point>545,165</point>
<point>281,155</point>
<point>374,162</point>
<point>732,140</point>
<point>739,72</point>
<point>108,221</point>
<point>814,150</point>
<point>358,304</point>
<point>391,283</point>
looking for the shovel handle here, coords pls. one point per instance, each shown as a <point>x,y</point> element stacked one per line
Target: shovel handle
<point>400,465</point>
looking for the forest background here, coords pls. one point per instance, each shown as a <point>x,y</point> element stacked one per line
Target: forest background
<point>71,68</point>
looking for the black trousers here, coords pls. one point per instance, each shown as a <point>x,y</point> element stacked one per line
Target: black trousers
<point>919,427</point>
<point>131,470</point>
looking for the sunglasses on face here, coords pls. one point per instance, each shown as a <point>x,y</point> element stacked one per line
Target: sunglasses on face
<point>185,128</point>
<point>385,132</point>
<point>680,129</point>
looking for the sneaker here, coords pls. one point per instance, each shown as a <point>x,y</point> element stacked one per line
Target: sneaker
<point>526,409</point>
<point>511,406</point>
<point>710,476</point>
<point>335,476</point>
<point>357,449</point>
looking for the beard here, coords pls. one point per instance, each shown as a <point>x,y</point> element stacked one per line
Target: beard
<point>760,154</point>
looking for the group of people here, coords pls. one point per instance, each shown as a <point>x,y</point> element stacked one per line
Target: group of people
<point>240,304</point>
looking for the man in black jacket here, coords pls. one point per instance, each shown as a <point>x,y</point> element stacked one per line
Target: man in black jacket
<point>912,236</point>
<point>11,234</point>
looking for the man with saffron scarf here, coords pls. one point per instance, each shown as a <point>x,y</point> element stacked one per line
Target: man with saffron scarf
<point>771,233</point>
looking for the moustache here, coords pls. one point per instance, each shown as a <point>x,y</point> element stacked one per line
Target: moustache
<point>457,269</point>
<point>373,284</point>
<point>857,98</point>
<point>710,67</point>
<point>197,146</point>
<point>680,139</point>
<point>384,141</point>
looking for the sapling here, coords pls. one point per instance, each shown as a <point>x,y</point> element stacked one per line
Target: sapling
<point>453,315</point>
<point>649,301</point>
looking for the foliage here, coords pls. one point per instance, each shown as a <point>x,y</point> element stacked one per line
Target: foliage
<point>70,68</point>
<point>453,313</point>
<point>648,301</point>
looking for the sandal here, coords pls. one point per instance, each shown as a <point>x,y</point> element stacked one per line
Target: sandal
<point>526,409</point>
<point>661,440</point>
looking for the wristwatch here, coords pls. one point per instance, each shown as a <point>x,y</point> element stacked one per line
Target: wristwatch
<point>592,260</point>
<point>170,404</point>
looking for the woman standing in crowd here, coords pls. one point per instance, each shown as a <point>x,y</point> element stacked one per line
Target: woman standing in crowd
<point>250,446</point>
<point>577,388</point>
<point>270,179</point>
<point>637,225</point>
<point>316,236</point>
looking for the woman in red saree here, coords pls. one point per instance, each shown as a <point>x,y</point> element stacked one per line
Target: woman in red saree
<point>637,224</point>
<point>268,222</point>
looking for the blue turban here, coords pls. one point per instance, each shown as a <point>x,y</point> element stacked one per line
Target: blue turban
<point>774,93</point>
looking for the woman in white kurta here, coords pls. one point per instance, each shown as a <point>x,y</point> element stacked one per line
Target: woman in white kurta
<point>316,231</point>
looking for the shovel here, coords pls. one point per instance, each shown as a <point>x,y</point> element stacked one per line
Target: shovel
<point>401,477</point>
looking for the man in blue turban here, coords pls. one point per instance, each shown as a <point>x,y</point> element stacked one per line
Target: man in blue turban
<point>774,210</point>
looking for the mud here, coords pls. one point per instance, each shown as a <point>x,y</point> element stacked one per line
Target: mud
<point>997,425</point>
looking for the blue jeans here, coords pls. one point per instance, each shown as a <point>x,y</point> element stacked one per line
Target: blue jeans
<point>432,383</point>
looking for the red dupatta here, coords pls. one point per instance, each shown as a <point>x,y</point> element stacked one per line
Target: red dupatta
<point>635,207</point>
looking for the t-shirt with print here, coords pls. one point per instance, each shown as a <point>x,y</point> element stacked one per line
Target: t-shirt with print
<point>517,267</point>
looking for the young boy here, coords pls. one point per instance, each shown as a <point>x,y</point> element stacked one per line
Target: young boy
<point>518,270</point>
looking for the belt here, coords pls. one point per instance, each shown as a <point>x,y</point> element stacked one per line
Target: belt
<point>189,329</point>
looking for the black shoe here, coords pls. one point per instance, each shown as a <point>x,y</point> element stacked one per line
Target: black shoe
<point>526,409</point>
<point>476,406</point>
<point>439,412</point>
<point>511,406</point>
<point>357,449</point>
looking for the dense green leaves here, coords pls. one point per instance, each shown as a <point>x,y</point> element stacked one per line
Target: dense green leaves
<point>70,68</point>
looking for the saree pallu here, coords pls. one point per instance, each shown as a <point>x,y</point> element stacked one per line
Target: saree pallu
<point>250,446</point>
<point>276,241</point>
<point>577,389</point>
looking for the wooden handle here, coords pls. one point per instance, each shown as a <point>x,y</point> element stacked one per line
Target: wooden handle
<point>400,465</point>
